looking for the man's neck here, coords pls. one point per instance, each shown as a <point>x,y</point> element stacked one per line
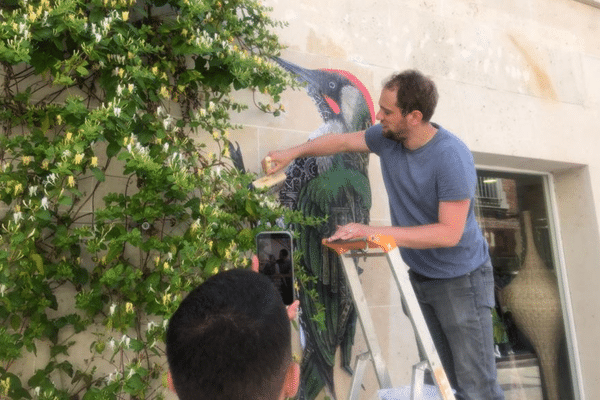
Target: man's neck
<point>421,136</point>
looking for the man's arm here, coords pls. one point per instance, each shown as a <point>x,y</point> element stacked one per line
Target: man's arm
<point>322,146</point>
<point>445,233</point>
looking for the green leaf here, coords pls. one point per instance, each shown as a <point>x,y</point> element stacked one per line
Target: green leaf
<point>99,174</point>
<point>15,322</point>
<point>65,201</point>
<point>134,385</point>
<point>81,70</point>
<point>212,264</point>
<point>43,215</point>
<point>112,149</point>
<point>39,262</point>
<point>56,350</point>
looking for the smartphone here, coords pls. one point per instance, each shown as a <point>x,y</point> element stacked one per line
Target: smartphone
<point>275,253</point>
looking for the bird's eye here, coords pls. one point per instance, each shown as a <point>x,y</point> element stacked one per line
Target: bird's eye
<point>332,85</point>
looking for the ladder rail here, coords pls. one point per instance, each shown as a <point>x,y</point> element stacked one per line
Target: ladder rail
<point>413,309</point>
<point>366,322</point>
<point>419,324</point>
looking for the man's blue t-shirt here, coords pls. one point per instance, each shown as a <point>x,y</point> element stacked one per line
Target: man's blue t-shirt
<point>416,181</point>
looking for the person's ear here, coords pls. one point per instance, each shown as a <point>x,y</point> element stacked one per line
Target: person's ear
<point>255,263</point>
<point>415,117</point>
<point>170,381</point>
<point>292,380</point>
<point>292,310</point>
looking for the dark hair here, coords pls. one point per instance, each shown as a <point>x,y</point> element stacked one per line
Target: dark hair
<point>415,92</point>
<point>230,339</point>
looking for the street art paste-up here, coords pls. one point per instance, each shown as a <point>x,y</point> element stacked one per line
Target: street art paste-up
<point>337,187</point>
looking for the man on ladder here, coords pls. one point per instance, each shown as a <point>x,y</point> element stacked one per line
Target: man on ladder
<point>431,180</point>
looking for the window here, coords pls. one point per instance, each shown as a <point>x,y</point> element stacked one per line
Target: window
<point>513,211</point>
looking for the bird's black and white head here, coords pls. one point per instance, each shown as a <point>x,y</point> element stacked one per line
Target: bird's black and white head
<point>340,97</point>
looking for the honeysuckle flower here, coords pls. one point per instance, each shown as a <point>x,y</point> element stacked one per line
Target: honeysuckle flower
<point>2,290</point>
<point>71,181</point>
<point>125,339</point>
<point>78,158</point>
<point>112,309</point>
<point>51,179</point>
<point>17,217</point>
<point>33,190</point>
<point>94,161</point>
<point>164,92</point>
<point>18,189</point>
<point>117,111</point>
<point>44,203</point>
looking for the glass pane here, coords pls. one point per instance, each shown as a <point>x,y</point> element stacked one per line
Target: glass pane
<point>528,325</point>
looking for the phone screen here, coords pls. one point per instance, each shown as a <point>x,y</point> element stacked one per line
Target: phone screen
<point>275,256</point>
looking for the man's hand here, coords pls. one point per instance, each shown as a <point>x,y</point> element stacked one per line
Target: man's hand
<point>350,231</point>
<point>275,161</point>
<point>292,309</point>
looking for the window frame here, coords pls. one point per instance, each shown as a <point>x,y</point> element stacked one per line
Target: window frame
<point>593,3</point>
<point>560,267</point>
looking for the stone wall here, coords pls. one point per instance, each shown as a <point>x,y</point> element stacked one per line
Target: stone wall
<point>519,82</point>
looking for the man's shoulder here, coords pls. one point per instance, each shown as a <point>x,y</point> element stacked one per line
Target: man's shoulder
<point>374,137</point>
<point>448,140</point>
<point>374,131</point>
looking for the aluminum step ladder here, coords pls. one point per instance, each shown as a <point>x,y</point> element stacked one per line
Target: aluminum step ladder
<point>383,246</point>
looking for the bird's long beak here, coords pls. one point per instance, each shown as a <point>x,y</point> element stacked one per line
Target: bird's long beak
<point>307,75</point>
<point>311,78</point>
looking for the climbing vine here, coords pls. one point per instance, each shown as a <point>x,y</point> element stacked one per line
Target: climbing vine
<point>116,187</point>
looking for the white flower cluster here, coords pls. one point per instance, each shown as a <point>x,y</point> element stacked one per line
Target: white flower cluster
<point>269,202</point>
<point>136,149</point>
<point>175,160</point>
<point>101,30</point>
<point>168,122</point>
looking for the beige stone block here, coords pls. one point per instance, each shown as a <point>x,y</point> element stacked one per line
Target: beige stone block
<point>380,211</point>
<point>299,113</point>
<point>591,75</point>
<point>114,184</point>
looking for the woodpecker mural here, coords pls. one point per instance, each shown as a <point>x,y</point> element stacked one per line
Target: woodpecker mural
<point>337,187</point>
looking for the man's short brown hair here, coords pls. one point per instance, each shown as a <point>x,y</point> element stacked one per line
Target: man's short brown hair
<point>415,91</point>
